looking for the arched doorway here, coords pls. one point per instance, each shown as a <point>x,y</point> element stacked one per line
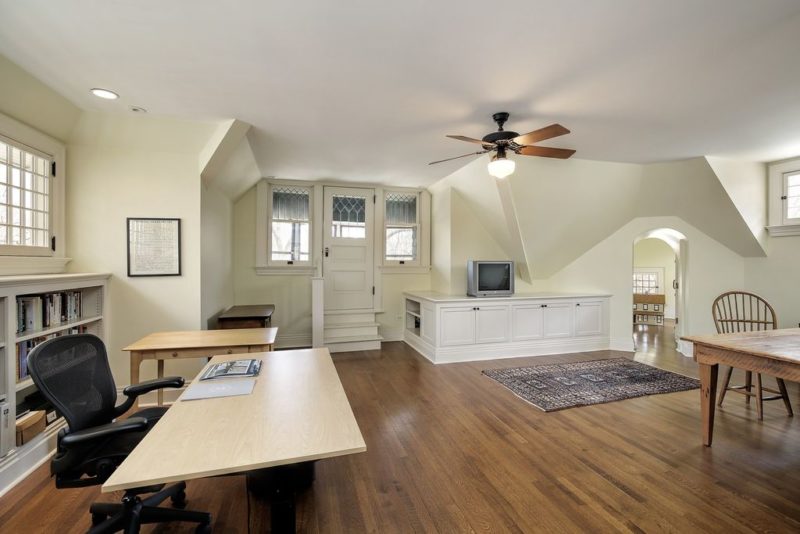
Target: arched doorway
<point>659,288</point>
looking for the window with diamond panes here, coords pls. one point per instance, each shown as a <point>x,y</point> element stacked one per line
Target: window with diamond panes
<point>402,227</point>
<point>291,224</point>
<point>791,197</point>
<point>24,196</point>
<point>349,217</point>
<point>645,283</point>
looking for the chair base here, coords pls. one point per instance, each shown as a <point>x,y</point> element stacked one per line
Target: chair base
<point>757,391</point>
<point>134,511</point>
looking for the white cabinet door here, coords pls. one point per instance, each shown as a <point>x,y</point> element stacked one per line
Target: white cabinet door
<point>457,326</point>
<point>526,322</point>
<point>588,318</point>
<point>558,319</point>
<point>491,324</point>
<point>428,326</point>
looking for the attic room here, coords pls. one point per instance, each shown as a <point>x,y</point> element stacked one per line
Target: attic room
<point>357,268</point>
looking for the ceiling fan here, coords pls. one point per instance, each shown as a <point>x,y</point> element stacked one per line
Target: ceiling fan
<point>503,141</point>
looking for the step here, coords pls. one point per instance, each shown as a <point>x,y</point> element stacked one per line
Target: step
<point>350,318</point>
<point>353,343</point>
<point>339,331</point>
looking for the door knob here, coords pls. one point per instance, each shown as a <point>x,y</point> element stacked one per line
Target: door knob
<point>326,252</point>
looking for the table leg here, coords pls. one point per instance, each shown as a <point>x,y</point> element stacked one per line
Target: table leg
<point>708,392</point>
<point>160,375</point>
<point>275,489</point>
<point>136,362</point>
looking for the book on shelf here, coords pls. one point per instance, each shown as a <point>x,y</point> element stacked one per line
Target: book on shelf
<point>37,312</point>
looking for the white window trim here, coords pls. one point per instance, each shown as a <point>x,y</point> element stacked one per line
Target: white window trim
<point>422,263</point>
<point>25,260</point>
<point>779,225</point>
<point>264,265</point>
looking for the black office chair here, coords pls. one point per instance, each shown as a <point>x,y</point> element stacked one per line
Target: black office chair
<point>72,372</point>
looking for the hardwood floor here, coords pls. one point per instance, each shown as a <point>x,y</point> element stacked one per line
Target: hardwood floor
<point>450,450</point>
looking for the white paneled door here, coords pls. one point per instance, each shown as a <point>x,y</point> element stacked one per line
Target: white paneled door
<point>347,256</point>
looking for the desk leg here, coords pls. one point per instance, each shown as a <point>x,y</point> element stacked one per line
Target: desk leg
<point>275,489</point>
<point>136,362</point>
<point>708,393</point>
<point>160,375</point>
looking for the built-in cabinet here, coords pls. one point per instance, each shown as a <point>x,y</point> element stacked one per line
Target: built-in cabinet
<point>32,309</point>
<point>446,328</point>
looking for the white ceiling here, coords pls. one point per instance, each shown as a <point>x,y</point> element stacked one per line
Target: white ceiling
<point>366,90</point>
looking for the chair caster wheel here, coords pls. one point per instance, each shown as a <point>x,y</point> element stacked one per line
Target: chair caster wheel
<point>179,500</point>
<point>98,518</point>
<point>203,528</point>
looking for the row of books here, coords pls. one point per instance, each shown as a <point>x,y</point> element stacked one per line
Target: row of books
<point>25,347</point>
<point>36,312</point>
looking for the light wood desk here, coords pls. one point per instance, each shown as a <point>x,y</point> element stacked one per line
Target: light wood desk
<point>297,412</point>
<point>196,344</point>
<point>772,352</point>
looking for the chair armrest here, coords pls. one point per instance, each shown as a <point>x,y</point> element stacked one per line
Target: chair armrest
<point>134,390</point>
<point>81,437</point>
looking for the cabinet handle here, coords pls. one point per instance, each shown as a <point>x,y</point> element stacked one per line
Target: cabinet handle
<point>544,305</point>
<point>578,304</point>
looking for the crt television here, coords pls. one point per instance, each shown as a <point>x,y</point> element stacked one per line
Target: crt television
<point>490,278</point>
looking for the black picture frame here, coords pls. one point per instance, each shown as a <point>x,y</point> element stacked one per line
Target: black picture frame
<point>138,267</point>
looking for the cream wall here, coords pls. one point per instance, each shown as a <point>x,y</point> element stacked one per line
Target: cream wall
<point>711,269</point>
<point>119,167</point>
<point>654,252</point>
<point>216,254</point>
<point>776,278</point>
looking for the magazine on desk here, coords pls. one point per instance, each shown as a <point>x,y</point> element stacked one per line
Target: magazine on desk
<point>232,369</point>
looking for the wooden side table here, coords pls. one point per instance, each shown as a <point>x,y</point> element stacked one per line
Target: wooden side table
<point>162,346</point>
<point>249,316</point>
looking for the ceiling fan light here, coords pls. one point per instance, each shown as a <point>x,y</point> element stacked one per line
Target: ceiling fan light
<point>501,167</point>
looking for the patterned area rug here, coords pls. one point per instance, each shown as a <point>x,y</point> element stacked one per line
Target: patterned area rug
<point>566,385</point>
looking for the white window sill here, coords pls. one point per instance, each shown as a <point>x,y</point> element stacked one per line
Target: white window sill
<point>405,269</point>
<point>784,230</point>
<point>286,270</point>
<point>10,265</point>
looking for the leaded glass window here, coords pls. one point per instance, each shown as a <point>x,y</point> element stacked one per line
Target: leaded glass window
<point>349,215</point>
<point>291,226</point>
<point>402,227</point>
<point>24,195</point>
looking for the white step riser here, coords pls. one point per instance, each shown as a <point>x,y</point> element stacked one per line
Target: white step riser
<point>354,345</point>
<point>350,332</point>
<point>349,318</point>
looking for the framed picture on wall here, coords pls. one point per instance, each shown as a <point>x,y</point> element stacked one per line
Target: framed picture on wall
<point>154,247</point>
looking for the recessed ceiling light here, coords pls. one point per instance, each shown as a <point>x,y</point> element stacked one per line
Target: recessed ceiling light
<point>138,109</point>
<point>104,93</point>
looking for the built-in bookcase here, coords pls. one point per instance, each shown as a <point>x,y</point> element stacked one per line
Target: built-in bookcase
<point>33,309</point>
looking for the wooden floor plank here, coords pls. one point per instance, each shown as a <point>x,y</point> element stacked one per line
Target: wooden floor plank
<point>450,450</point>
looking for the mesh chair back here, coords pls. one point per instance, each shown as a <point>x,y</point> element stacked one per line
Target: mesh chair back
<point>739,311</point>
<point>72,372</point>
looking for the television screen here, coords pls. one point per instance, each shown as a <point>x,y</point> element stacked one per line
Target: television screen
<point>494,276</point>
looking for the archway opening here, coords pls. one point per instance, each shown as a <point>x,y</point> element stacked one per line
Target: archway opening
<point>658,286</point>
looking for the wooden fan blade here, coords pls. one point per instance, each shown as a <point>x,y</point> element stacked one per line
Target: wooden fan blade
<point>546,152</point>
<point>470,140</point>
<point>457,157</point>
<point>548,132</point>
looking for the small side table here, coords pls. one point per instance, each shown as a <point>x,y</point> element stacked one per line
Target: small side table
<point>251,316</point>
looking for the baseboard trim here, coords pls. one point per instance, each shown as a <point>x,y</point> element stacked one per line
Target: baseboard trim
<point>499,351</point>
<point>624,344</point>
<point>391,334</point>
<point>18,464</point>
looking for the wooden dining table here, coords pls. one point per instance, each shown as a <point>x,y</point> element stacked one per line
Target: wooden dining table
<point>771,352</point>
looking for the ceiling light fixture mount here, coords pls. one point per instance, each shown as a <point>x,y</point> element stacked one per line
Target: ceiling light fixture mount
<point>106,94</point>
<point>137,109</point>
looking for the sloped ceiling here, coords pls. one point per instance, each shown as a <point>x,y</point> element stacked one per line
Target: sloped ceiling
<point>365,90</point>
<point>563,208</point>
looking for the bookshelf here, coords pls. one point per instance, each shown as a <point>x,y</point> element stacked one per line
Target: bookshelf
<point>32,309</point>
